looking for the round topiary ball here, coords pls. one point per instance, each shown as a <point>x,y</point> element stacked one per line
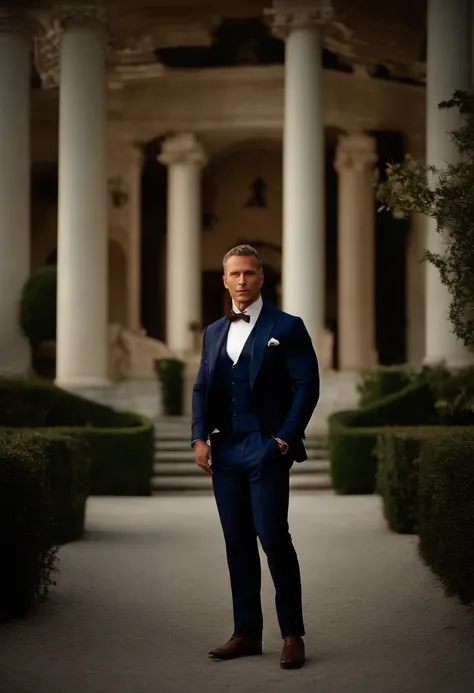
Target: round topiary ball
<point>38,306</point>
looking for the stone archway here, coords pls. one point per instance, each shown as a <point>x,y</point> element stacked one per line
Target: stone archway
<point>242,203</point>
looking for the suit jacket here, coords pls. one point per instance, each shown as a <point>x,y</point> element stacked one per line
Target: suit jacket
<point>284,379</point>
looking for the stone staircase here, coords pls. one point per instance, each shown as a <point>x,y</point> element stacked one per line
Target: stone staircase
<point>175,469</point>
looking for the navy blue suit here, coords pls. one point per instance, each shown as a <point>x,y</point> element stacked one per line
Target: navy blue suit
<point>270,392</point>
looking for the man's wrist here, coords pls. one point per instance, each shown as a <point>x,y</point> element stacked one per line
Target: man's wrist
<point>282,445</point>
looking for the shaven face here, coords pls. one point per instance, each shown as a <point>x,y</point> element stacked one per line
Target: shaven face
<point>243,279</point>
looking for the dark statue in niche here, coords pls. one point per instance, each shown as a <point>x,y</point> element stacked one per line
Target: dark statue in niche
<point>208,220</point>
<point>258,196</point>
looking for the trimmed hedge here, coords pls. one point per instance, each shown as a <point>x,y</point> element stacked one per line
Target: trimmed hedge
<point>31,510</point>
<point>36,404</point>
<point>353,436</point>
<point>121,459</point>
<point>55,449</point>
<point>446,511</point>
<point>383,381</point>
<point>397,478</point>
<point>352,456</point>
<point>118,446</point>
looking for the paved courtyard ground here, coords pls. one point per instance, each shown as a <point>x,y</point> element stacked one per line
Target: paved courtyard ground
<point>141,600</point>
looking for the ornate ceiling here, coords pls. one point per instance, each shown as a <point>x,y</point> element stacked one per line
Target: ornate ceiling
<point>370,37</point>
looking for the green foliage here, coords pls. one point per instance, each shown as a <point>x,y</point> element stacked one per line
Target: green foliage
<point>38,306</point>
<point>170,374</point>
<point>56,448</point>
<point>35,403</point>
<point>119,445</point>
<point>121,458</point>
<point>351,453</point>
<point>28,551</point>
<point>453,393</point>
<point>446,511</point>
<point>448,197</point>
<point>353,435</point>
<point>398,452</point>
<point>380,382</point>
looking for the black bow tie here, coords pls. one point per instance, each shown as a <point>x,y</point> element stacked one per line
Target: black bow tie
<point>238,316</point>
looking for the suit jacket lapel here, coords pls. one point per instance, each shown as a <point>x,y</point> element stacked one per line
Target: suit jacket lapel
<point>214,350</point>
<point>263,330</point>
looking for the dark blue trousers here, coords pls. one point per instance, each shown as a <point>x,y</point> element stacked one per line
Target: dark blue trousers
<point>252,486</point>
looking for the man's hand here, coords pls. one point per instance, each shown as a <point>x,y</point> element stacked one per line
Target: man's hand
<point>202,455</point>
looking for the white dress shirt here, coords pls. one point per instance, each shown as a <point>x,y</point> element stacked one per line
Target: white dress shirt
<point>240,330</point>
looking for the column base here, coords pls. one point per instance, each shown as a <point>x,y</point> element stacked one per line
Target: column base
<point>82,382</point>
<point>98,390</point>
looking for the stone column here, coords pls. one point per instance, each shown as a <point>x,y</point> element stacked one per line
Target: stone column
<point>303,268</point>
<point>184,156</point>
<point>355,160</point>
<point>15,165</point>
<point>82,358</point>
<point>448,68</point>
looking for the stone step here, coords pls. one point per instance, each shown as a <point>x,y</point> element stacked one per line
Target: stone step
<point>191,469</point>
<point>186,455</point>
<point>203,482</point>
<point>178,442</point>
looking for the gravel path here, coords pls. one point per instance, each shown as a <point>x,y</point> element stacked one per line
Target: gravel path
<point>145,595</point>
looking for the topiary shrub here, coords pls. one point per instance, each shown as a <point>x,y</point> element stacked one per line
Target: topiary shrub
<point>383,381</point>
<point>352,455</point>
<point>353,435</point>
<point>398,453</point>
<point>38,306</point>
<point>119,445</point>
<point>446,511</point>
<point>170,373</point>
<point>28,552</point>
<point>453,393</point>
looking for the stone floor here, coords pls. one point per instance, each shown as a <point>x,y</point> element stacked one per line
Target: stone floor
<point>141,600</point>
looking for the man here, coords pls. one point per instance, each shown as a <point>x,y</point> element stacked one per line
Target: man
<point>255,392</point>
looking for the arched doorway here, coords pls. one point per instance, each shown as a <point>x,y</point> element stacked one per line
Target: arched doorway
<point>242,203</point>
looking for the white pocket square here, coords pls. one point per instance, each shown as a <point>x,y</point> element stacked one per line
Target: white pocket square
<point>273,342</point>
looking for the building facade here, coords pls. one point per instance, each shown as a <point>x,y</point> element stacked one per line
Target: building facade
<point>140,141</point>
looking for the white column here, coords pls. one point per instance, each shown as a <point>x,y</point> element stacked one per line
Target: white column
<point>355,160</point>
<point>15,165</point>
<point>184,156</point>
<point>82,223</point>
<point>303,268</point>
<point>448,68</point>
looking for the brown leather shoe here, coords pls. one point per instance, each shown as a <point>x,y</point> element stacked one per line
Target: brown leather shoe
<point>238,646</point>
<point>293,653</point>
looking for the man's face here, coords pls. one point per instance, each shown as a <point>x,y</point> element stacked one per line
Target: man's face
<point>243,279</point>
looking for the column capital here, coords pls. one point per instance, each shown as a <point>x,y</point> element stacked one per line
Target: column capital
<point>47,49</point>
<point>287,15</point>
<point>357,152</point>
<point>182,148</point>
<point>19,23</point>
<point>75,15</point>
